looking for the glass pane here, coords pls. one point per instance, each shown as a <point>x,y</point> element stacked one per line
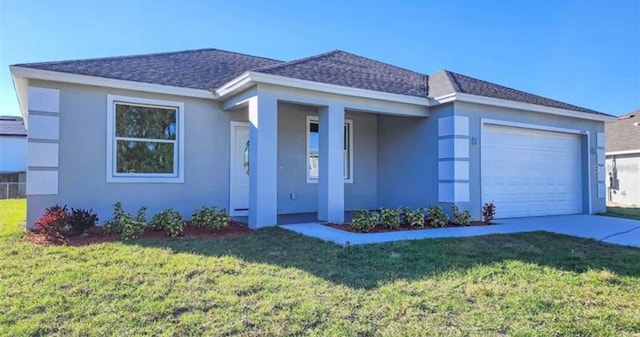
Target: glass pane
<point>145,122</point>
<point>144,157</point>
<point>313,150</point>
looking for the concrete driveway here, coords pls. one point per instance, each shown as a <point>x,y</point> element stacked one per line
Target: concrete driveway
<point>612,230</point>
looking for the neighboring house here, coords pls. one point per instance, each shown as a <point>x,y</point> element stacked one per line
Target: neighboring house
<point>211,127</point>
<point>13,157</point>
<point>623,160</point>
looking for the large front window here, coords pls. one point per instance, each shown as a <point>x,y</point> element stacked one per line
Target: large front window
<point>313,150</point>
<point>145,140</point>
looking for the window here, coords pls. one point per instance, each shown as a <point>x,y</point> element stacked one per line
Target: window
<point>313,147</point>
<point>145,140</point>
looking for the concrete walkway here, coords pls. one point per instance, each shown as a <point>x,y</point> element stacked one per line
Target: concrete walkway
<point>585,226</point>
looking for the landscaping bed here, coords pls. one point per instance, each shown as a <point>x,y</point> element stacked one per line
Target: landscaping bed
<point>380,228</point>
<point>99,235</point>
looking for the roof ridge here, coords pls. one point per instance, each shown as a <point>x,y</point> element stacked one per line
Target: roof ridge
<point>388,64</point>
<point>145,55</point>
<point>298,61</point>
<point>454,83</point>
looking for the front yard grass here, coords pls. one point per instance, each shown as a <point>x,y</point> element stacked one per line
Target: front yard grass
<point>623,212</point>
<point>273,282</point>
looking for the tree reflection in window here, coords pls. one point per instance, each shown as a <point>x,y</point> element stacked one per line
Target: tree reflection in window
<point>245,157</point>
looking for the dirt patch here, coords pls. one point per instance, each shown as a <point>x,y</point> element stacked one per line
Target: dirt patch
<point>99,235</point>
<point>403,227</point>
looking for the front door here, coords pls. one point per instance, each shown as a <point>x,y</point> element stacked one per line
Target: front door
<point>239,172</point>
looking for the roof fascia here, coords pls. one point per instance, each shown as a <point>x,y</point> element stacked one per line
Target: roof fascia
<point>468,98</point>
<point>48,75</point>
<point>250,78</point>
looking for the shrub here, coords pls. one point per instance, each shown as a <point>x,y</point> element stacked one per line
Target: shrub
<point>437,217</point>
<point>488,212</point>
<point>126,224</point>
<point>169,220</point>
<point>210,217</point>
<point>460,218</point>
<point>53,222</point>
<point>414,218</point>
<point>364,221</point>
<point>403,214</point>
<point>81,219</point>
<point>390,217</point>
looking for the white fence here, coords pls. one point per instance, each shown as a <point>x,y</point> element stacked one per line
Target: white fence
<point>13,190</point>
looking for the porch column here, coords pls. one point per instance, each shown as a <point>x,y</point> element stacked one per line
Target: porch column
<point>263,154</point>
<point>331,164</point>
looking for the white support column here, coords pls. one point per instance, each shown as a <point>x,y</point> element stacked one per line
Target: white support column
<point>331,164</point>
<point>263,154</point>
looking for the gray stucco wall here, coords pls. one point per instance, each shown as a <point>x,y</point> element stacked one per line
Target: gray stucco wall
<point>477,112</point>
<point>408,159</point>
<point>82,160</point>
<point>362,193</point>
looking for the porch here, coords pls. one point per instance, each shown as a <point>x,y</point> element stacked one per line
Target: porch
<point>355,154</point>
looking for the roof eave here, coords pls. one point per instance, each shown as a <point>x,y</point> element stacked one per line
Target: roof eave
<point>468,98</point>
<point>21,86</point>
<point>251,78</point>
<point>57,76</point>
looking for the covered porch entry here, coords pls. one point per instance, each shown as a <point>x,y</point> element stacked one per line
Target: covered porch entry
<point>304,152</point>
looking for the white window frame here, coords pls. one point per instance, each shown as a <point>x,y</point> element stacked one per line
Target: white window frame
<point>347,179</point>
<point>178,161</point>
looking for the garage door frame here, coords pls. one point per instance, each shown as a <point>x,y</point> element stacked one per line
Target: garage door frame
<point>585,153</point>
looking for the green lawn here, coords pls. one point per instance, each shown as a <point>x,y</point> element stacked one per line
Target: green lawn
<point>624,212</point>
<point>274,282</point>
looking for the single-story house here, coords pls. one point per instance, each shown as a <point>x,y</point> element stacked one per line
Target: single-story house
<point>623,160</point>
<point>324,134</point>
<point>13,157</point>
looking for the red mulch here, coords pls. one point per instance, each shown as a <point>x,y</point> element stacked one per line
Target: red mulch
<point>99,235</point>
<point>403,227</point>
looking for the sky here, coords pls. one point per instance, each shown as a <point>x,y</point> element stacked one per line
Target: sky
<point>583,52</point>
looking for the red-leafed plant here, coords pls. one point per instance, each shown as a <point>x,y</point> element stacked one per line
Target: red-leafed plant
<point>53,222</point>
<point>488,212</point>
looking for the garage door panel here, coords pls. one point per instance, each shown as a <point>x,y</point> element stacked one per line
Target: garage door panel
<point>529,172</point>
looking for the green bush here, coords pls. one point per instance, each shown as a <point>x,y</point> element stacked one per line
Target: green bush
<point>414,218</point>
<point>81,219</point>
<point>210,217</point>
<point>169,220</point>
<point>437,217</point>
<point>115,224</point>
<point>364,221</point>
<point>460,218</point>
<point>390,217</point>
<point>126,224</point>
<point>403,214</point>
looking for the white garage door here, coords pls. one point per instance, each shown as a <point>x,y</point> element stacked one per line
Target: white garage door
<point>529,172</point>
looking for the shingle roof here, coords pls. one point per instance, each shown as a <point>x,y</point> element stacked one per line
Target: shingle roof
<point>209,69</point>
<point>12,126</point>
<point>205,69</point>
<point>474,86</point>
<point>346,69</point>
<point>623,134</point>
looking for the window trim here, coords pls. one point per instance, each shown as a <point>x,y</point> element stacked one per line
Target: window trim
<point>310,180</point>
<point>112,176</point>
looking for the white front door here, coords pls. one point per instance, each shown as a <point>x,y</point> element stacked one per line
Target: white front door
<point>239,173</point>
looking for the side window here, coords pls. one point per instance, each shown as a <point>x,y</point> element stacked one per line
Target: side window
<point>313,147</point>
<point>144,140</point>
